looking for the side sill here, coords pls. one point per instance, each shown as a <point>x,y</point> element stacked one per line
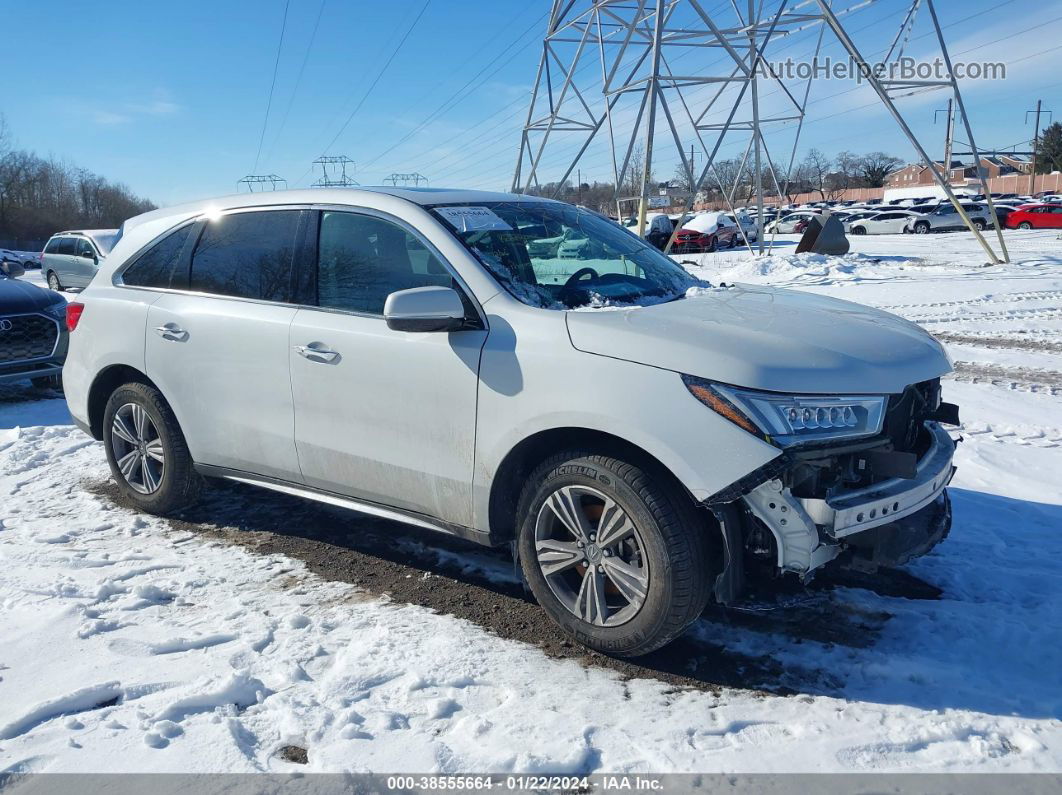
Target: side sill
<point>350,503</point>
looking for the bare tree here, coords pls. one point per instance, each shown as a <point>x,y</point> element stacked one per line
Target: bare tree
<point>39,197</point>
<point>632,180</point>
<point>849,173</point>
<point>816,168</point>
<point>876,166</point>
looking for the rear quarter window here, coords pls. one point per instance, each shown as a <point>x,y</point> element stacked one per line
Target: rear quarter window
<point>158,266</point>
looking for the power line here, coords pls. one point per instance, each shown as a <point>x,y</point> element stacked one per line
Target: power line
<point>451,100</point>
<point>298,80</point>
<point>379,75</point>
<point>272,85</point>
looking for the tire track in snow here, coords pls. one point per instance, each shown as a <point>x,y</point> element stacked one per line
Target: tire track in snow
<point>1019,379</point>
<point>1024,343</point>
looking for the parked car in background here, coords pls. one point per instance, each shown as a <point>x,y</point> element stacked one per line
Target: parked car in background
<point>1037,216</point>
<point>787,223</point>
<point>640,460</point>
<point>27,259</point>
<point>71,259</point>
<point>33,335</point>
<point>946,218</point>
<point>706,232</point>
<point>10,265</point>
<point>747,224</point>
<point>889,221</point>
<point>658,228</point>
<point>849,219</point>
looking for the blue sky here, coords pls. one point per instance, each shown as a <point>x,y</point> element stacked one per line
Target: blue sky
<point>170,98</point>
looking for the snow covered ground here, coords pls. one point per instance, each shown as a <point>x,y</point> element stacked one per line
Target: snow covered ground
<point>130,643</point>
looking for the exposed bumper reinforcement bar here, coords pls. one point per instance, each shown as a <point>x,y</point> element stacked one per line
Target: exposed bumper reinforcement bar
<point>811,532</point>
<point>890,500</point>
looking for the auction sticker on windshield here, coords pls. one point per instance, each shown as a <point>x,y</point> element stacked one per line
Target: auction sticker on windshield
<point>473,219</point>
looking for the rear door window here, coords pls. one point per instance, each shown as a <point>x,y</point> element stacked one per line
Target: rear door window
<point>246,255</point>
<point>66,245</point>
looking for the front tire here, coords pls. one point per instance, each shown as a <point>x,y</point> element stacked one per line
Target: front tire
<point>1025,225</point>
<point>146,451</point>
<point>979,225</point>
<point>617,559</point>
<point>859,230</point>
<point>921,228</point>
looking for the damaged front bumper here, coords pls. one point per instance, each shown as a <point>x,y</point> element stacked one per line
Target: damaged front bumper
<point>888,522</point>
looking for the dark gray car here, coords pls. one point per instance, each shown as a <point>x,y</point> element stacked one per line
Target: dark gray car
<point>33,335</point>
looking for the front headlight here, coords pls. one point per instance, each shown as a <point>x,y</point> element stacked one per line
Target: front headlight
<point>788,420</point>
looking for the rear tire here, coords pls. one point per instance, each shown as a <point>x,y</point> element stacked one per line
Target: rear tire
<point>53,282</point>
<point>633,591</point>
<point>146,451</point>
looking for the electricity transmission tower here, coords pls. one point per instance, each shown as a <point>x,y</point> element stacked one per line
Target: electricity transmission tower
<point>611,69</point>
<point>260,181</point>
<point>413,179</point>
<point>334,172</point>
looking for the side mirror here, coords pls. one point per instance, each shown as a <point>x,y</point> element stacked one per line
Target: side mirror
<point>88,255</point>
<point>424,309</point>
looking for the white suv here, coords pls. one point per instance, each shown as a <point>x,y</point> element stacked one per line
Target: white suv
<point>643,440</point>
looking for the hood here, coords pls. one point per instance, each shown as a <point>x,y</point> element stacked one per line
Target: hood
<point>18,296</point>
<point>768,338</point>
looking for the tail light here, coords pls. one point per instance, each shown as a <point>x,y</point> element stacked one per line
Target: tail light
<point>73,314</point>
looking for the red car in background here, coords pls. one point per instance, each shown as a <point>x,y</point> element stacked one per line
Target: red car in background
<point>708,231</point>
<point>1036,216</point>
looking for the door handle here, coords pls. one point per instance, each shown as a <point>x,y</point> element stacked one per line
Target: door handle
<point>172,332</point>
<point>317,351</point>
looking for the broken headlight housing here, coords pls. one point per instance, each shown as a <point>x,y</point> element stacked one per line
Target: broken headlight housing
<point>788,420</point>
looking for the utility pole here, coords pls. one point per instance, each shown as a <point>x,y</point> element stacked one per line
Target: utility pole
<point>754,64</point>
<point>579,187</point>
<point>949,136</point>
<point>652,88</point>
<point>1036,143</point>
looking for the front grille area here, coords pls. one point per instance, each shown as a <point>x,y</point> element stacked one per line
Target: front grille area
<point>906,413</point>
<point>26,337</point>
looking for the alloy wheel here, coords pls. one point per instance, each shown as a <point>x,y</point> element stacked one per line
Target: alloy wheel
<point>138,448</point>
<point>592,556</point>
<point>53,281</point>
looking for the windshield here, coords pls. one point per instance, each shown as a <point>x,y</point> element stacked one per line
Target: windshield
<point>557,256</point>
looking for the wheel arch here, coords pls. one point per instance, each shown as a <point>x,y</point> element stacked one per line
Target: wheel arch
<point>521,460</point>
<point>104,384</point>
